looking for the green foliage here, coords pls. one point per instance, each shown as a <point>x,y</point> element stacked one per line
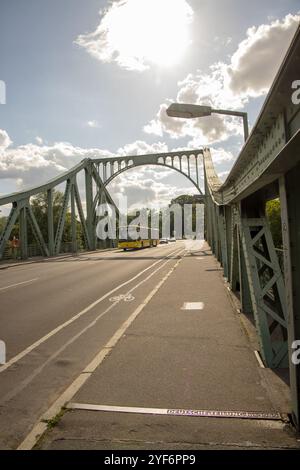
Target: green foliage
<point>182,200</point>
<point>185,199</point>
<point>2,223</point>
<point>274,218</point>
<point>39,206</point>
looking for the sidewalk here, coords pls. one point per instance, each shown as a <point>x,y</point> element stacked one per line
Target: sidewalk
<point>172,358</point>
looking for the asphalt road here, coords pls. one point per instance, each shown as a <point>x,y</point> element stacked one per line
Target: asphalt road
<point>55,315</point>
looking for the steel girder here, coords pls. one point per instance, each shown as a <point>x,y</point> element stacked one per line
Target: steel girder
<point>270,159</point>
<point>290,197</point>
<point>98,173</point>
<point>250,264</point>
<point>21,211</point>
<point>266,285</point>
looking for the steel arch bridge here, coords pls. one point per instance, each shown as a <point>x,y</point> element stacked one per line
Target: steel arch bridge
<point>236,227</point>
<point>98,173</point>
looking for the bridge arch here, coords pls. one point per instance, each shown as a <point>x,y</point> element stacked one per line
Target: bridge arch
<point>178,161</point>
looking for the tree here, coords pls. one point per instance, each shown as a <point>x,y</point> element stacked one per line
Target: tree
<point>182,200</point>
<point>3,220</point>
<point>274,218</point>
<point>39,204</point>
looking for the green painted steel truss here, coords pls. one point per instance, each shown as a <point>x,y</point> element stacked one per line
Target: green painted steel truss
<point>98,173</point>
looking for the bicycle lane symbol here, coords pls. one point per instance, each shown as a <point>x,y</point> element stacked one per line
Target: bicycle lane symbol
<point>124,297</point>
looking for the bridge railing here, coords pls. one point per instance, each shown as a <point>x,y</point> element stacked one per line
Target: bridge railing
<point>267,280</point>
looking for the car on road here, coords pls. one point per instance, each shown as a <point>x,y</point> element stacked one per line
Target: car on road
<point>163,241</point>
<point>172,240</point>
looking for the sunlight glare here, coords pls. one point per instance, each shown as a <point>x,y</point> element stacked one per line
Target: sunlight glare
<point>151,30</point>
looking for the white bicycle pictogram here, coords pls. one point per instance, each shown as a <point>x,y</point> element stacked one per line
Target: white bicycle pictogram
<point>125,297</point>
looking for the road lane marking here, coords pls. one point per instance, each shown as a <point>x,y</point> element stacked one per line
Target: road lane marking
<point>125,297</point>
<point>261,415</point>
<point>19,283</point>
<point>78,315</point>
<point>192,306</point>
<point>259,359</point>
<point>41,426</point>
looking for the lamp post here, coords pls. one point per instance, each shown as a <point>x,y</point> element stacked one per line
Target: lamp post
<point>191,111</point>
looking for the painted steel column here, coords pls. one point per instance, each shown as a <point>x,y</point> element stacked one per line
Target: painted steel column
<point>223,240</point>
<point>50,222</point>
<point>289,198</point>
<point>234,255</point>
<point>89,206</point>
<point>245,296</point>
<point>23,233</point>
<point>73,219</point>
<point>81,216</point>
<point>197,170</point>
<point>37,231</point>
<point>62,219</point>
<point>228,228</point>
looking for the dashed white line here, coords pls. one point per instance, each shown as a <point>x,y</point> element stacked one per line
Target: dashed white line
<point>18,284</point>
<point>192,306</point>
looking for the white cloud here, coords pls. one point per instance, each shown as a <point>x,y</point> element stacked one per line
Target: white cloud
<point>31,164</point>
<point>204,131</point>
<point>39,140</point>
<point>93,124</point>
<point>148,187</point>
<point>230,86</point>
<point>220,155</point>
<point>135,33</point>
<point>257,59</point>
<point>223,175</point>
<point>4,140</point>
<point>139,147</point>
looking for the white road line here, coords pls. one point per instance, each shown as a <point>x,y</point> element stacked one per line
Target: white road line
<point>193,306</point>
<point>19,283</point>
<point>75,317</point>
<point>39,369</point>
<point>31,439</point>
<point>259,359</point>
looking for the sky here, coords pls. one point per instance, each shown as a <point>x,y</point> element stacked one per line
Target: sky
<point>92,78</point>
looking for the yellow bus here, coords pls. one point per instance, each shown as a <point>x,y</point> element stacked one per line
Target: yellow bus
<point>134,240</point>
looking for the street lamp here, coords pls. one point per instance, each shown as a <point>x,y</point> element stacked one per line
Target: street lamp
<point>190,111</point>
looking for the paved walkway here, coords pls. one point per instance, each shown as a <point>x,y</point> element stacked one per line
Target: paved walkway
<point>171,358</point>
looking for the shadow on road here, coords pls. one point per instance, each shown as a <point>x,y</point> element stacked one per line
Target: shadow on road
<point>111,258</point>
<point>199,253</point>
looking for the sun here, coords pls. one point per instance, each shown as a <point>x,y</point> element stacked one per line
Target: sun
<point>155,31</point>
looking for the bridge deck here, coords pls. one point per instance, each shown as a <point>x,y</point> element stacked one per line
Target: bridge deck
<point>170,358</point>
